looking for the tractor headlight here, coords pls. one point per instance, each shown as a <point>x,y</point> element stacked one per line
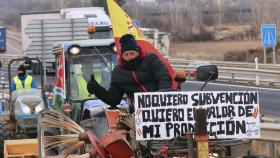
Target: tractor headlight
<point>114,48</point>
<point>74,50</point>
<point>67,108</point>
<point>26,110</point>
<point>38,109</point>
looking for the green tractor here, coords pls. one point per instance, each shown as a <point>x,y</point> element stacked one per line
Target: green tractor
<point>75,62</point>
<point>19,110</point>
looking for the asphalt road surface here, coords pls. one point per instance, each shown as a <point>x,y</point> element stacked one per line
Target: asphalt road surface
<point>269,98</point>
<point>13,46</point>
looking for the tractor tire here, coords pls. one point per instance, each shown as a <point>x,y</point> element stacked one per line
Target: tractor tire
<point>4,134</point>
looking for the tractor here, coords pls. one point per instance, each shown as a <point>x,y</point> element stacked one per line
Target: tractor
<point>19,110</point>
<point>93,130</point>
<point>75,62</point>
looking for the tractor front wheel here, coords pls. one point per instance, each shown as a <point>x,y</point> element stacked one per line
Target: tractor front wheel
<point>4,133</point>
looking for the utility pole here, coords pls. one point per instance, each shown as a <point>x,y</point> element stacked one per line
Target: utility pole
<point>221,4</point>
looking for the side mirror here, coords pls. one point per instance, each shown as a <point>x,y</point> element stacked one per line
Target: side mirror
<point>67,108</point>
<point>207,72</point>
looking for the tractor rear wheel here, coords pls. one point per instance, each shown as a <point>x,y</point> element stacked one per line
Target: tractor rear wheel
<point>4,133</point>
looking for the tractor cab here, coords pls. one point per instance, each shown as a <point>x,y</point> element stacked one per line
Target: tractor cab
<point>76,61</point>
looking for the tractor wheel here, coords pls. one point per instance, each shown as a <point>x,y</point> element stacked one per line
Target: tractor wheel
<point>4,133</point>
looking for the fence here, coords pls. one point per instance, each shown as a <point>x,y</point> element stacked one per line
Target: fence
<point>237,72</point>
<point>232,72</point>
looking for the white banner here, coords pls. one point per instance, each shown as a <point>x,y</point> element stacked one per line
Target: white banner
<point>165,115</point>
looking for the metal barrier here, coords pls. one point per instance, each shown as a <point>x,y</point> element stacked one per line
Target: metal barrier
<point>226,64</point>
<point>233,72</point>
<point>237,72</point>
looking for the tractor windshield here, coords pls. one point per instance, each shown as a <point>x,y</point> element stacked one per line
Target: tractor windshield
<point>99,61</point>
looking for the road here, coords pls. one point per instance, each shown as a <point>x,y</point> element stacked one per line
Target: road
<point>13,44</point>
<point>13,47</point>
<point>269,98</point>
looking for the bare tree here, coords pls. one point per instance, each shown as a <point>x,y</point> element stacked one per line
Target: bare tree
<point>221,8</point>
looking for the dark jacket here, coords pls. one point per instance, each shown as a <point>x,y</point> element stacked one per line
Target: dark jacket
<point>151,73</point>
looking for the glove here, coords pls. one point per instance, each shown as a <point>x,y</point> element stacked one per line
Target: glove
<point>92,84</point>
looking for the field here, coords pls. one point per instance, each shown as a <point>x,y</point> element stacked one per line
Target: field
<point>210,50</point>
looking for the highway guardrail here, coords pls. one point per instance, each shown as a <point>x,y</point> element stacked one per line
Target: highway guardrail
<point>237,72</point>
<point>232,72</point>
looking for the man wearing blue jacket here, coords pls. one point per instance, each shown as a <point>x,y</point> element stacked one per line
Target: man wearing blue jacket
<point>22,80</point>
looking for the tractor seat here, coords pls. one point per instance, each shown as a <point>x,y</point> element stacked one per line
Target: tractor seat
<point>29,100</point>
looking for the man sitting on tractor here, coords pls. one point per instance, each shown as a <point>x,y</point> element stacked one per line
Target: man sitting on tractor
<point>136,73</point>
<point>22,80</point>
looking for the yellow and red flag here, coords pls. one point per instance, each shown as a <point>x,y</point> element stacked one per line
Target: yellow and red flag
<point>122,24</point>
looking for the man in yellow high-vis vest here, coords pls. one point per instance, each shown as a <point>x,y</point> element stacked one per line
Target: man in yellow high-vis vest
<point>22,80</point>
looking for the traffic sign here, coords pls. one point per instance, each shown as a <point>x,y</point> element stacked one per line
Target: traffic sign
<point>269,33</point>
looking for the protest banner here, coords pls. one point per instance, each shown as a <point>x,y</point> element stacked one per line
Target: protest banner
<point>165,115</point>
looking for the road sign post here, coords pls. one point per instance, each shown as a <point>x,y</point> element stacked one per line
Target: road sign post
<point>269,33</point>
<point>274,56</point>
<point>264,55</point>
<point>257,68</point>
